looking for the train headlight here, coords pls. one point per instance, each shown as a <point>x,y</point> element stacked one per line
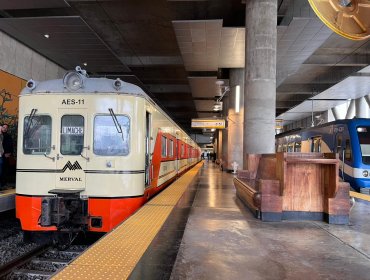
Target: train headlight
<point>365,173</point>
<point>31,84</point>
<point>73,81</point>
<point>117,84</point>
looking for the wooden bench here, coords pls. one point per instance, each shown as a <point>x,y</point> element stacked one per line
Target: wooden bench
<point>294,186</point>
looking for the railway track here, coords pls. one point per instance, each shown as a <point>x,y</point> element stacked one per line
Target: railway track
<point>40,263</point>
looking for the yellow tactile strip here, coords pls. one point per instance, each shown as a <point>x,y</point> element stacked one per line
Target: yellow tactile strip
<point>116,254</point>
<point>359,195</point>
<point>7,192</point>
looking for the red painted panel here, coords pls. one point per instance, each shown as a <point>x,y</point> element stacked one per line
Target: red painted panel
<point>28,211</point>
<point>113,211</point>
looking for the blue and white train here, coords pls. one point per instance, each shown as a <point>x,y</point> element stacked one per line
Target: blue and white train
<point>349,138</point>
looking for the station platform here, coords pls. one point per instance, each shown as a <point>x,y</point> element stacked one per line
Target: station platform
<point>210,234</point>
<point>7,199</point>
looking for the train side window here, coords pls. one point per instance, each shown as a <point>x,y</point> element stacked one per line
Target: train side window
<point>164,146</point>
<point>170,153</point>
<point>297,147</point>
<point>339,143</point>
<point>108,141</point>
<point>72,135</point>
<point>37,135</point>
<point>316,145</point>
<point>182,150</point>
<point>290,147</point>
<point>348,152</point>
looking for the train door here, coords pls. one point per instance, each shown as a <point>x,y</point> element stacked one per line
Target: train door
<point>148,138</point>
<point>71,149</point>
<point>339,149</point>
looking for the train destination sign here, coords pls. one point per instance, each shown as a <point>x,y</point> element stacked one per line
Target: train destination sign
<point>208,123</point>
<point>72,130</point>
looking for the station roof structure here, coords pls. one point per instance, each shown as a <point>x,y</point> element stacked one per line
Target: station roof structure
<point>176,50</point>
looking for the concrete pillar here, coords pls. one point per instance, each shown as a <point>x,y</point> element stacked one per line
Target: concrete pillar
<point>225,132</point>
<point>260,77</point>
<point>335,112</point>
<point>361,108</point>
<point>235,120</point>
<point>219,145</point>
<point>351,111</point>
<point>367,98</point>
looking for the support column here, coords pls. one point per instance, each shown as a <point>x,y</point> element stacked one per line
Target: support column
<point>219,145</point>
<point>361,108</point>
<point>235,120</point>
<point>225,132</point>
<point>335,112</point>
<point>351,111</point>
<point>260,77</point>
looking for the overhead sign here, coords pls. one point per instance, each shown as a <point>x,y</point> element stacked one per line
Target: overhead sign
<point>208,123</point>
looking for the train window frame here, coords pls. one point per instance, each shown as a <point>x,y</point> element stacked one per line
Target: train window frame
<point>339,143</point>
<point>78,152</point>
<point>316,144</point>
<point>128,138</point>
<point>170,146</point>
<point>348,151</point>
<point>363,134</point>
<point>163,146</point>
<point>182,150</point>
<point>32,151</point>
<point>297,147</point>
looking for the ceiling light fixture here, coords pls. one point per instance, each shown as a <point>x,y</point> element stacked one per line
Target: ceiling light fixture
<point>46,36</point>
<point>237,99</point>
<point>85,64</point>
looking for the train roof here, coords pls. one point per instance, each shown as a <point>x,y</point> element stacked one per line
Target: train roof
<point>361,121</point>
<point>90,85</point>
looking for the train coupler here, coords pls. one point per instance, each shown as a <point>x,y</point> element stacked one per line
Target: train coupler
<point>65,210</point>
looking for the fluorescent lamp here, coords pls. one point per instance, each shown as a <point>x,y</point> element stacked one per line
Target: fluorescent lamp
<point>237,99</point>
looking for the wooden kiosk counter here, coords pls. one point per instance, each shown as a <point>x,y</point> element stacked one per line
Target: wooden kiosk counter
<point>294,186</point>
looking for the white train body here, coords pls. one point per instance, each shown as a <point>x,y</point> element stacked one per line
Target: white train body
<point>89,155</point>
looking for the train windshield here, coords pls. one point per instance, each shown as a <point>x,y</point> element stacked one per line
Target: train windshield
<point>72,135</point>
<point>37,135</point>
<point>108,141</point>
<point>364,138</point>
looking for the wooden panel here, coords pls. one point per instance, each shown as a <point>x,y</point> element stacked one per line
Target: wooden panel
<point>340,205</point>
<point>271,200</point>
<point>252,164</point>
<point>267,167</point>
<point>246,193</point>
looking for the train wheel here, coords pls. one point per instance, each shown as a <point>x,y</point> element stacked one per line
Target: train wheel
<point>62,240</point>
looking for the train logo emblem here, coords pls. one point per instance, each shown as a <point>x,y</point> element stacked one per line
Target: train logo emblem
<point>71,166</point>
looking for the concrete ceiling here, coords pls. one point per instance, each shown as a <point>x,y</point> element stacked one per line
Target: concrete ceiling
<point>176,50</point>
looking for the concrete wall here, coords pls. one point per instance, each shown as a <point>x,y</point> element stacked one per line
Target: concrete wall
<point>21,61</point>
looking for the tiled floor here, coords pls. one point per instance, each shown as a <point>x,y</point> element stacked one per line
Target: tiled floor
<point>222,240</point>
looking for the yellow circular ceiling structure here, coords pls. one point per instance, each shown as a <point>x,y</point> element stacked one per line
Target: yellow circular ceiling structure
<point>348,18</point>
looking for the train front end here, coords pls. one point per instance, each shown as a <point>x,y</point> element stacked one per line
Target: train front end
<point>359,130</point>
<point>80,162</point>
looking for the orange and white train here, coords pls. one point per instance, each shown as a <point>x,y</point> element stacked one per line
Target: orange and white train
<point>91,151</point>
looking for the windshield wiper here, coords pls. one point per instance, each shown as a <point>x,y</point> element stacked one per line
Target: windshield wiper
<point>30,119</point>
<point>116,123</point>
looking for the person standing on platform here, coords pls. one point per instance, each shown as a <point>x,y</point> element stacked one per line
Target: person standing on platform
<point>8,151</point>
